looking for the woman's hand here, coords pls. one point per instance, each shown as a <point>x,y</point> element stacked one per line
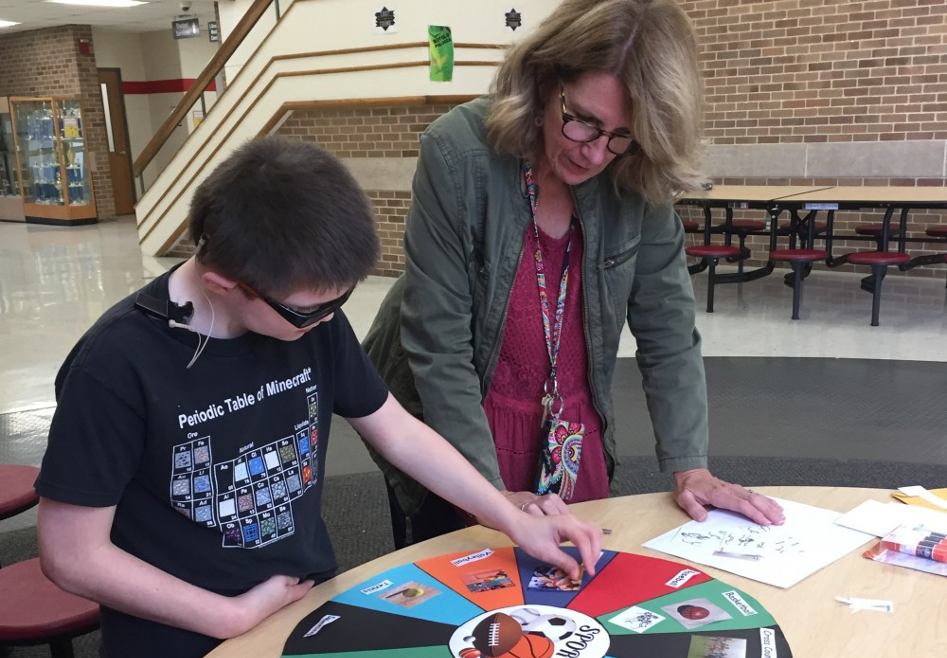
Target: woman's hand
<point>547,505</point>
<point>696,488</point>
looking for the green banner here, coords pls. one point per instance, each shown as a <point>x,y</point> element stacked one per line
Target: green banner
<point>442,53</point>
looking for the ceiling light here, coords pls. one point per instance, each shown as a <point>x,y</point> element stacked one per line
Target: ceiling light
<point>7,23</point>
<point>100,3</point>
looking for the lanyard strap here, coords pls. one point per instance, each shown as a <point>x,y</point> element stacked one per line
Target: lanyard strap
<point>553,332</point>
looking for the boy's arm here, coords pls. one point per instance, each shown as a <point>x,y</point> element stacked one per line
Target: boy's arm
<point>423,454</point>
<point>77,554</point>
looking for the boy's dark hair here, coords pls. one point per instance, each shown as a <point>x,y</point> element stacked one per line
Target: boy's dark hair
<point>281,216</point>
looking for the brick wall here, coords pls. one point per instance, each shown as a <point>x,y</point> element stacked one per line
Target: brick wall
<point>823,70</point>
<point>48,63</point>
<point>380,132</point>
<point>811,71</point>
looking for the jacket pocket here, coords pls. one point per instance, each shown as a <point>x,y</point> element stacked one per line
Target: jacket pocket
<point>618,273</point>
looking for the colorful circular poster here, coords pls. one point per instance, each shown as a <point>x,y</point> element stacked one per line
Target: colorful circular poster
<point>502,603</point>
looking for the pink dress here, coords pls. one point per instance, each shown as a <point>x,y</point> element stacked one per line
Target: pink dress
<point>512,405</point>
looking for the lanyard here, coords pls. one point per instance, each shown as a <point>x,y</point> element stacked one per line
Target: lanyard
<point>552,402</point>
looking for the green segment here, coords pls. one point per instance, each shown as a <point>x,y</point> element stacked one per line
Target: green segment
<point>713,591</point>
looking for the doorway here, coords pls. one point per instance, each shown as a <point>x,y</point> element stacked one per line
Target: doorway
<point>116,127</point>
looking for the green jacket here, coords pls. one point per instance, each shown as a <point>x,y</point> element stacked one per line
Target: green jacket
<point>437,336</point>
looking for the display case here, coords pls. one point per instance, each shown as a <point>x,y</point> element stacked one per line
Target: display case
<point>11,203</point>
<point>53,161</point>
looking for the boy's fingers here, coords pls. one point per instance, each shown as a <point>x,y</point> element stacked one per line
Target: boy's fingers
<point>588,539</point>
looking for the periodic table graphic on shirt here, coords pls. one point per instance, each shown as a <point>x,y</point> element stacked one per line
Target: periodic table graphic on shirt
<point>248,498</point>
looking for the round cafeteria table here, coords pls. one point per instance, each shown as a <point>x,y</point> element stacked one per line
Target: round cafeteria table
<point>815,625</point>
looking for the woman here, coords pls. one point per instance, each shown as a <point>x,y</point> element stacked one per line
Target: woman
<point>541,223</point>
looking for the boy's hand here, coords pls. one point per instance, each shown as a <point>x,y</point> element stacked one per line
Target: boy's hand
<point>540,536</point>
<point>257,604</point>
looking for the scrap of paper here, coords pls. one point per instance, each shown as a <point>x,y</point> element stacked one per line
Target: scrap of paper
<point>881,518</point>
<point>856,604</point>
<point>917,491</point>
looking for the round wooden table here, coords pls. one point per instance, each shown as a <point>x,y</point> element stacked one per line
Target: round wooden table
<point>815,624</point>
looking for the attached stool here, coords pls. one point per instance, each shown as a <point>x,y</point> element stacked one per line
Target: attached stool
<point>16,489</point>
<point>879,262</point>
<point>741,228</point>
<point>800,259</point>
<point>35,611</point>
<point>711,254</point>
<point>690,226</point>
<point>876,231</point>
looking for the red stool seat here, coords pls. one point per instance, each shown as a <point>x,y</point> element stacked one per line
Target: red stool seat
<point>712,251</point>
<point>878,258</point>
<point>690,226</point>
<point>937,231</point>
<point>16,489</point>
<point>743,225</point>
<point>876,229</point>
<point>34,610</point>
<point>799,254</point>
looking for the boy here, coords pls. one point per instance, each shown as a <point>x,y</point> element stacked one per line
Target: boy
<point>181,487</point>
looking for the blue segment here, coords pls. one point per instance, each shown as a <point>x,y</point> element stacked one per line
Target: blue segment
<point>256,466</point>
<point>528,564</point>
<point>303,445</point>
<point>448,607</point>
<point>251,532</point>
<point>202,484</point>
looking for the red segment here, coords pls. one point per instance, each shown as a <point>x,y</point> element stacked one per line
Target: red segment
<point>937,231</point>
<point>630,579</point>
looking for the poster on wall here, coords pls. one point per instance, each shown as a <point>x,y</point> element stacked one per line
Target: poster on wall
<point>512,20</point>
<point>213,33</point>
<point>384,20</point>
<point>197,116</point>
<point>442,53</point>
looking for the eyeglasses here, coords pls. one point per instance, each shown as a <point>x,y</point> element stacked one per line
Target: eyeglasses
<point>297,318</point>
<point>577,130</point>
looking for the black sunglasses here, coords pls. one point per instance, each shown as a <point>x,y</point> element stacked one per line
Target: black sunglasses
<point>297,318</point>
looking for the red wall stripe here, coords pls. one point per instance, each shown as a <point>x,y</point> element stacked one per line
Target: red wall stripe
<point>179,86</point>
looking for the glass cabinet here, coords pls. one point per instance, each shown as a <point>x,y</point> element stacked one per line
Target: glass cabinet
<point>11,203</point>
<point>53,161</point>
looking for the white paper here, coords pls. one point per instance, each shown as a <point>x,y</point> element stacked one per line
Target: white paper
<point>881,518</point>
<point>777,555</point>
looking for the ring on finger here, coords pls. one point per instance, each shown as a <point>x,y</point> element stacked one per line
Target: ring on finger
<point>525,505</point>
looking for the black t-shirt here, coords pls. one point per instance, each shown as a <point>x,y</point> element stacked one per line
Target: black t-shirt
<point>216,471</point>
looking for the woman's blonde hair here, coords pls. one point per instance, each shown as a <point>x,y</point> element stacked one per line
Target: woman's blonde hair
<point>650,47</point>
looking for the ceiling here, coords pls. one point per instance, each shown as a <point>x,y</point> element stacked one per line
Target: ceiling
<point>151,17</point>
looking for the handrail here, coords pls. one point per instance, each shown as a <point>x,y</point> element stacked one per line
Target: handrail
<point>247,22</point>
